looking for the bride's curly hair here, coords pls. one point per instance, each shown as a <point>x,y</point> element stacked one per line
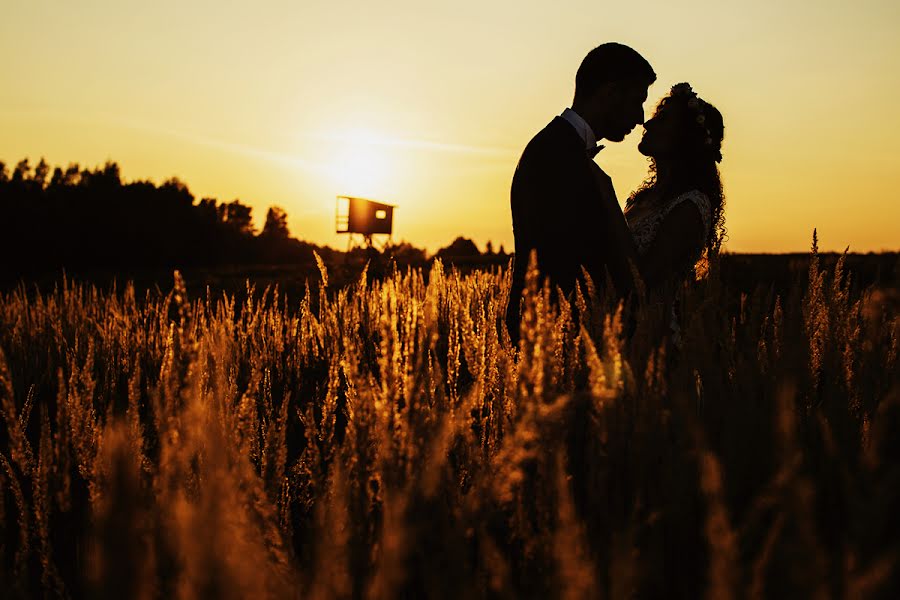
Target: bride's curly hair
<point>700,150</point>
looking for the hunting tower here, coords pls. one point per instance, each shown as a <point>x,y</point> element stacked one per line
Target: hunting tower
<point>367,218</point>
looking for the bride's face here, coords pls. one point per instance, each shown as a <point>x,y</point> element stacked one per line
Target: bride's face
<point>662,133</point>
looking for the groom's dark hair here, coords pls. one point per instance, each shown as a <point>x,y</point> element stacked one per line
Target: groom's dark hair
<point>611,62</point>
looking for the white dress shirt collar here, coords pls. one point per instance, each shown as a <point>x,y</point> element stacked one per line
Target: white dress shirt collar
<point>581,126</point>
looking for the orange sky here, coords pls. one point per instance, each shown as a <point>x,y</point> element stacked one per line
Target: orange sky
<point>429,107</point>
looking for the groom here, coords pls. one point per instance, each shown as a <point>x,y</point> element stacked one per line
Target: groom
<point>563,205</point>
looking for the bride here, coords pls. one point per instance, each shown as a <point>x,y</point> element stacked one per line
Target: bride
<point>676,216</point>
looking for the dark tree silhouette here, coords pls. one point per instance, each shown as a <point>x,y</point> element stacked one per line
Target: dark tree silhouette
<point>276,226</point>
<point>80,219</point>
<point>460,248</point>
<point>40,174</point>
<point>22,172</point>
<point>239,217</point>
<point>91,221</point>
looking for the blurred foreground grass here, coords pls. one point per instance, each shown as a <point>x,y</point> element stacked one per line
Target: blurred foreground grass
<point>382,439</point>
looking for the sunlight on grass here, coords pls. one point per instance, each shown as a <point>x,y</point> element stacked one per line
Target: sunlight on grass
<point>385,440</point>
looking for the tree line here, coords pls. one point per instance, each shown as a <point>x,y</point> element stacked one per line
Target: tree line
<point>77,217</point>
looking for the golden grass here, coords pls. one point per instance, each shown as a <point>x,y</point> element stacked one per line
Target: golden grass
<point>385,440</point>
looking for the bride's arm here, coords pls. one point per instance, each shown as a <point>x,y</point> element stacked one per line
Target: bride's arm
<point>679,236</point>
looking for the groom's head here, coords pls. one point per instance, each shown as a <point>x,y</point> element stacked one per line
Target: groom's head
<point>611,88</point>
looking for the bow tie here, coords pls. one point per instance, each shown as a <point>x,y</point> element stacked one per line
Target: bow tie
<point>592,152</point>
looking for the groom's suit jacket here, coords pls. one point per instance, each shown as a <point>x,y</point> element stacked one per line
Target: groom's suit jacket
<point>564,207</point>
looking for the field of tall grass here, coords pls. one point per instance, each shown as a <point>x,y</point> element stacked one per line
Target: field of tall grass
<point>385,440</point>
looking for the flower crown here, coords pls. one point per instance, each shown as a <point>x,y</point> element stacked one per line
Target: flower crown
<point>695,104</point>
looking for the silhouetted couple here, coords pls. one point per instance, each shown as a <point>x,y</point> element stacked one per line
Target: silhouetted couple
<point>564,205</point>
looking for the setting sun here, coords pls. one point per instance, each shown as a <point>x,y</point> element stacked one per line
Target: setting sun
<point>362,165</point>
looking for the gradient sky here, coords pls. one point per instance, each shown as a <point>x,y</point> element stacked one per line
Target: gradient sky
<point>428,107</point>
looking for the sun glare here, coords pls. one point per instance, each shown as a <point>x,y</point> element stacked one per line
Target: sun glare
<point>362,165</point>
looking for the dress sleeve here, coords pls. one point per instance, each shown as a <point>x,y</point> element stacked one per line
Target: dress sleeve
<point>701,201</point>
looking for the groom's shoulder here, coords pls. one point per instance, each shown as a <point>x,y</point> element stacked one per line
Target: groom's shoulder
<point>555,136</point>
<point>556,131</point>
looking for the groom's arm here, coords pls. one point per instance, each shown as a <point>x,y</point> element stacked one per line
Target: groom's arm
<point>554,193</point>
<point>617,244</point>
<point>624,261</point>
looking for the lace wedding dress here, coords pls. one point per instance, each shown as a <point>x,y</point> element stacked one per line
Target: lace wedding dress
<point>644,226</point>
